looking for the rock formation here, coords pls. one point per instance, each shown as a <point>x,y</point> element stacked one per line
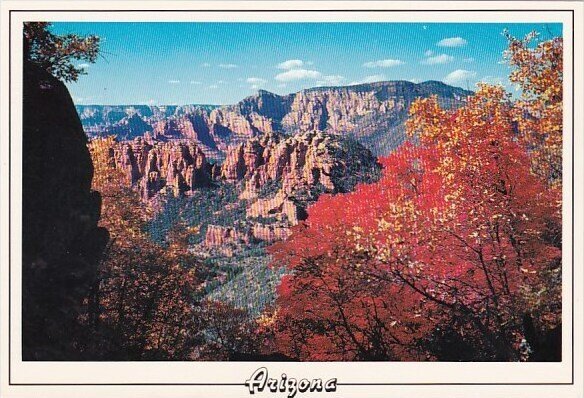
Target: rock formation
<point>279,176</point>
<point>129,127</point>
<point>270,233</point>
<point>297,163</point>
<point>61,243</point>
<point>175,167</point>
<point>218,235</point>
<point>275,178</point>
<point>278,207</point>
<point>280,152</point>
<point>373,113</point>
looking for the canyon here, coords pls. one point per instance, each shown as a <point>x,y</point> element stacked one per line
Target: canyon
<point>372,113</point>
<point>275,177</point>
<point>277,152</point>
<point>239,177</point>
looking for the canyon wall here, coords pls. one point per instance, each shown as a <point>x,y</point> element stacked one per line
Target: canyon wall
<point>373,113</point>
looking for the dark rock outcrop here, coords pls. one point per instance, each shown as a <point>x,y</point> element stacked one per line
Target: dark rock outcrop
<point>61,243</point>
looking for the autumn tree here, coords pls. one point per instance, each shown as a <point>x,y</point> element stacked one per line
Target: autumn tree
<point>143,306</point>
<point>455,242</point>
<point>229,333</point>
<point>54,53</point>
<point>334,306</point>
<point>149,301</point>
<point>538,71</point>
<point>488,250</point>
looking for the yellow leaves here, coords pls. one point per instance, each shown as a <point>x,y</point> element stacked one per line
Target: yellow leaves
<point>383,224</point>
<point>539,73</point>
<point>426,119</point>
<point>527,271</point>
<point>384,255</point>
<point>193,229</point>
<point>452,197</point>
<point>268,319</point>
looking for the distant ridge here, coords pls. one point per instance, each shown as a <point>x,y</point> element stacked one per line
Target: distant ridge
<point>372,113</point>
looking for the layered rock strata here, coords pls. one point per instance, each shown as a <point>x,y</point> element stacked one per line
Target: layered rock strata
<point>374,113</point>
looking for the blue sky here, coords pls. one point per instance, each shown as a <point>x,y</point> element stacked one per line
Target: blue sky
<point>221,63</point>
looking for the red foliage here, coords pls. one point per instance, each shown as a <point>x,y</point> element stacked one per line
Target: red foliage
<point>457,231</point>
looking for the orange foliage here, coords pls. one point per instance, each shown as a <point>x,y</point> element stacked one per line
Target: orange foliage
<point>148,301</point>
<point>458,233</point>
<point>539,73</point>
<point>144,305</point>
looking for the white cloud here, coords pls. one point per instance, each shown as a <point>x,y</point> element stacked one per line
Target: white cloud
<point>227,66</point>
<point>221,82</point>
<point>493,80</point>
<point>438,59</point>
<point>429,53</point>
<point>291,64</point>
<point>452,42</point>
<point>383,63</point>
<point>297,74</point>
<point>369,79</point>
<point>415,80</point>
<point>282,85</point>
<point>206,65</point>
<point>174,81</point>
<point>468,60</point>
<point>294,70</point>
<point>213,86</point>
<point>196,82</point>
<point>333,80</point>
<point>256,80</point>
<point>459,76</point>
<point>83,66</point>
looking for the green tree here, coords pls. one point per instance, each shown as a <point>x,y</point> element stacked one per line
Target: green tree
<point>55,52</point>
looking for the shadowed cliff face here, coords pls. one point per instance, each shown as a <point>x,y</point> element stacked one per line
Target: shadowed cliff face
<point>61,241</point>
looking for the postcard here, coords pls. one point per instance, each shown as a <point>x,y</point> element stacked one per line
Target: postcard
<point>291,199</point>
